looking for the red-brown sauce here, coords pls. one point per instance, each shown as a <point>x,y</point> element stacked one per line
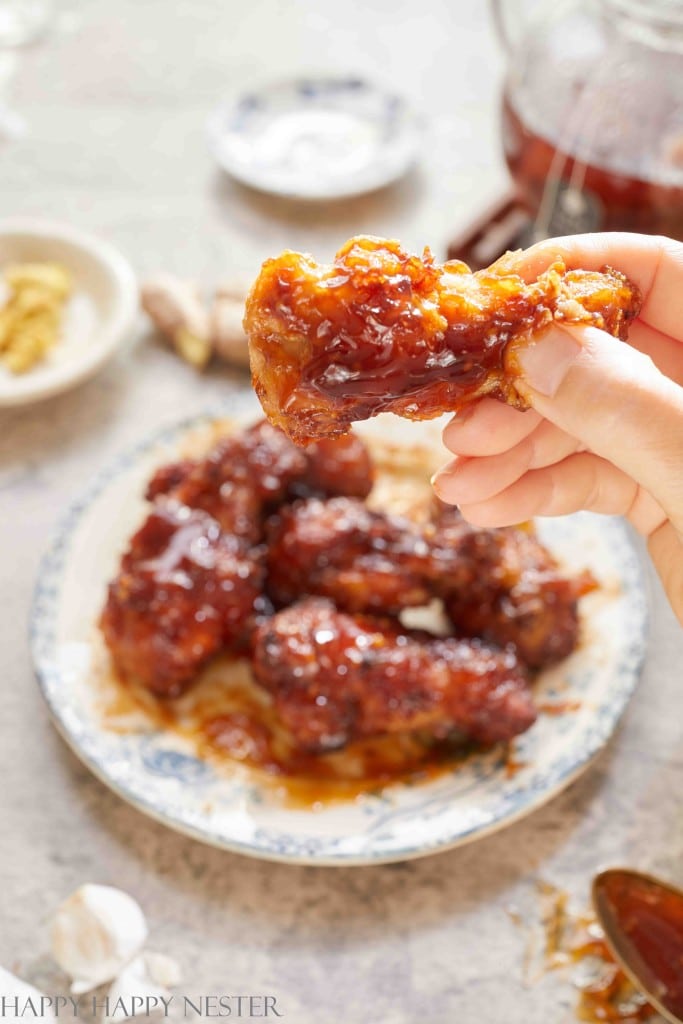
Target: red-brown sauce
<point>308,779</point>
<point>650,921</point>
<point>576,942</point>
<point>381,330</point>
<point>627,203</point>
<point>558,707</point>
<point>611,996</point>
<point>232,726</point>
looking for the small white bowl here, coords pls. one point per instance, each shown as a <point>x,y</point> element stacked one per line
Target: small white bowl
<point>315,137</point>
<point>98,314</point>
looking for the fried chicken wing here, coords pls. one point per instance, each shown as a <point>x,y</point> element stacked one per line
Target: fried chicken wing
<point>381,330</point>
<point>516,593</point>
<point>335,678</point>
<point>184,591</point>
<point>502,585</point>
<point>362,559</point>
<point>249,473</point>
<point>337,466</point>
<point>239,477</point>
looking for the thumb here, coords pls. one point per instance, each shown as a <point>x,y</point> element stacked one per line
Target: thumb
<point>614,400</point>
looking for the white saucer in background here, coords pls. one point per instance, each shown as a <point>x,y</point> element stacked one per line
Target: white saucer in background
<point>98,314</point>
<point>315,138</point>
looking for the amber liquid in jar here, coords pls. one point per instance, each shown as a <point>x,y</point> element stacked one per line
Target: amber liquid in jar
<point>613,201</point>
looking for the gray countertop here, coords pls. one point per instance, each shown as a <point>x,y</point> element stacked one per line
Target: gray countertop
<point>115,103</point>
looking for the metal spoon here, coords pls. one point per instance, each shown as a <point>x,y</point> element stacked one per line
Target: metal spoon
<point>642,918</point>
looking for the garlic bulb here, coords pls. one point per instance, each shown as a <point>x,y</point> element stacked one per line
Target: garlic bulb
<point>95,933</point>
<point>22,1000</point>
<point>142,987</point>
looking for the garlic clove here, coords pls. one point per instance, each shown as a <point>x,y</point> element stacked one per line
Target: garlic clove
<point>163,970</point>
<point>30,1002</point>
<point>95,933</point>
<point>142,984</point>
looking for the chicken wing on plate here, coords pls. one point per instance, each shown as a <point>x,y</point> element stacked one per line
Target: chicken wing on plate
<point>249,473</point>
<point>335,677</point>
<point>502,585</point>
<point>517,593</point>
<point>184,591</point>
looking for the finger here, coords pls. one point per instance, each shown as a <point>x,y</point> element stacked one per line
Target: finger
<point>582,481</point>
<point>666,550</point>
<point>473,480</point>
<point>489,428</point>
<point>665,352</point>
<point>614,400</point>
<point>652,262</point>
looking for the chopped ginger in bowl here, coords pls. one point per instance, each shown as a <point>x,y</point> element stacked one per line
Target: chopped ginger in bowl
<point>31,317</point>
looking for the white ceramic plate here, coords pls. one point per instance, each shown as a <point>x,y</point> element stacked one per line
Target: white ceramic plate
<point>97,316</point>
<point>315,137</point>
<point>156,773</point>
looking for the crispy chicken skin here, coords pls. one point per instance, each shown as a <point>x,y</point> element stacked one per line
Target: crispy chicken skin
<point>381,330</point>
<point>185,590</point>
<point>365,561</point>
<point>502,585</point>
<point>335,678</point>
<point>249,473</point>
<point>337,466</point>
<point>241,475</point>
<point>516,592</point>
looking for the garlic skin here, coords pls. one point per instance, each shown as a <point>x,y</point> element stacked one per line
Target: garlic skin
<point>149,977</point>
<point>12,987</point>
<point>95,933</point>
<point>163,970</point>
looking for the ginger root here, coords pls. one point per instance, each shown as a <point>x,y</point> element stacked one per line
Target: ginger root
<point>175,308</point>
<point>227,334</point>
<point>197,333</point>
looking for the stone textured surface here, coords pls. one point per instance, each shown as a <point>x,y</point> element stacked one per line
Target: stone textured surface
<point>115,102</point>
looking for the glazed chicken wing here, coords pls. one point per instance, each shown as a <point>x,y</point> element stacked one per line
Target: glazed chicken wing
<point>381,330</point>
<point>337,466</point>
<point>363,560</point>
<point>249,473</point>
<point>335,678</point>
<point>184,591</point>
<point>240,476</point>
<point>516,593</point>
<point>502,585</point>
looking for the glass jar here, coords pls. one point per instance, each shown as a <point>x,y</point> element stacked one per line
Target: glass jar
<point>593,114</point>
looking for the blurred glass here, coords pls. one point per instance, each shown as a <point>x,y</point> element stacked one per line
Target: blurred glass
<point>24,21</point>
<point>593,113</point>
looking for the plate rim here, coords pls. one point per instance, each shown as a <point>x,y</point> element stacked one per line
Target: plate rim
<point>51,568</point>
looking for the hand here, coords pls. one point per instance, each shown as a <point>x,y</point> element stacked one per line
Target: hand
<point>605,427</point>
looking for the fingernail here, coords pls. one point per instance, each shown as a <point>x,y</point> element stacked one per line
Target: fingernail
<point>442,481</point>
<point>544,362</point>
